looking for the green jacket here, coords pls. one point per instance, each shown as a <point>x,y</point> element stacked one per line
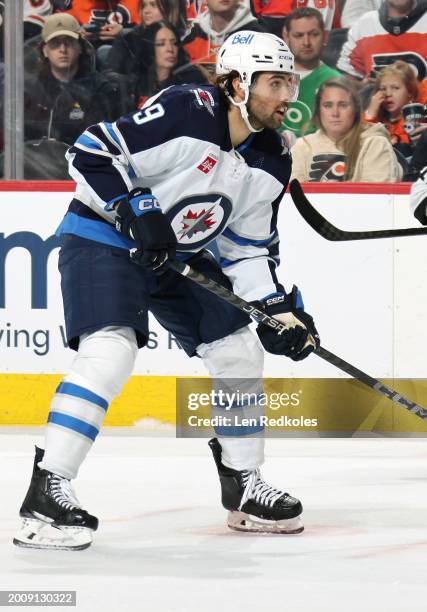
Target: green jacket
<point>301,111</point>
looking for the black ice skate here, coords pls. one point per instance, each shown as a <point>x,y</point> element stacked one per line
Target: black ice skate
<point>253,504</point>
<point>51,514</point>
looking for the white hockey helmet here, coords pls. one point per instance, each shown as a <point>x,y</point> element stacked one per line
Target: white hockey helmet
<point>250,52</point>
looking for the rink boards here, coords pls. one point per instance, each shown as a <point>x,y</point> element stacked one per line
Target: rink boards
<point>368,299</point>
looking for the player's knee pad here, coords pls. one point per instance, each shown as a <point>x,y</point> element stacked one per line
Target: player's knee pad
<point>238,355</point>
<point>105,360</point>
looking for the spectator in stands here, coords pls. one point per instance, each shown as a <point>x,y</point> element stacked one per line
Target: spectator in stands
<point>194,8</point>
<point>395,86</point>
<point>66,94</point>
<point>127,53</point>
<point>211,28</point>
<point>271,13</point>
<point>149,11</point>
<point>343,148</point>
<point>35,14</point>
<point>398,30</point>
<point>165,63</point>
<point>304,33</point>
<point>172,11</point>
<point>355,9</point>
<point>103,20</point>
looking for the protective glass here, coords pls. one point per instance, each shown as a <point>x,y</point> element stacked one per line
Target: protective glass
<point>293,87</point>
<point>67,41</point>
<point>287,88</point>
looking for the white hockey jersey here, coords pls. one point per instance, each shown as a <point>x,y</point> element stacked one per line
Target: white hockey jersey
<point>418,197</point>
<point>214,196</point>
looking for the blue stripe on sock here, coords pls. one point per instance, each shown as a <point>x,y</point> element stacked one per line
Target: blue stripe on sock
<point>77,391</point>
<point>237,432</point>
<point>74,424</point>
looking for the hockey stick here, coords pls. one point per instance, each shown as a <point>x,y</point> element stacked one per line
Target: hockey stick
<point>323,227</point>
<point>262,317</point>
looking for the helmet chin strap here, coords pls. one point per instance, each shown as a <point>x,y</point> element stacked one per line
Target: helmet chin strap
<point>243,108</point>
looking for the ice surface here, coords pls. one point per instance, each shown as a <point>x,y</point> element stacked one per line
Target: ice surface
<point>163,545</point>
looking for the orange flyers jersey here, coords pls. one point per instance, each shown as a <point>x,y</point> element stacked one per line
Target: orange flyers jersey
<point>195,8</point>
<point>103,11</point>
<point>280,8</point>
<point>374,42</point>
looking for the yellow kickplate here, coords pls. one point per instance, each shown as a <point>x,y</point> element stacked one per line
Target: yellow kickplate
<point>25,399</point>
<point>338,405</point>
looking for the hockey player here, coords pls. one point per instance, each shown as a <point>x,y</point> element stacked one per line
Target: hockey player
<point>418,197</point>
<point>194,172</point>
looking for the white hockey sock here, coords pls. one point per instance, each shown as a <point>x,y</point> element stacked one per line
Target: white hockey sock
<point>237,361</point>
<point>242,453</point>
<point>103,363</point>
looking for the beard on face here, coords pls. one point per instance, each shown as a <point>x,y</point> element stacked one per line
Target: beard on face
<point>264,120</point>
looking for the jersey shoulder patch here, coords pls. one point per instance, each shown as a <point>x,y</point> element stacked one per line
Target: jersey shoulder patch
<point>181,110</point>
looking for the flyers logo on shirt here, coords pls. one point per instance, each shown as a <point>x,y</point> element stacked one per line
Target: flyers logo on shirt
<point>198,219</point>
<point>327,167</point>
<point>101,12</point>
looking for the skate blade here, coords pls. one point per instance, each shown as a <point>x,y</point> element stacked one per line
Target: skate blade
<point>38,534</point>
<point>240,521</point>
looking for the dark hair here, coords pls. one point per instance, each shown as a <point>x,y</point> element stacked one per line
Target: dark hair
<point>172,11</point>
<point>302,13</point>
<point>148,41</point>
<point>224,82</point>
<point>145,82</point>
<point>350,143</point>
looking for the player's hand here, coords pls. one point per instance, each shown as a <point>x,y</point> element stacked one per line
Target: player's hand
<point>140,217</point>
<point>301,337</point>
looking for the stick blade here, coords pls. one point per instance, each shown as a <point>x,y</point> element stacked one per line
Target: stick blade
<point>312,216</point>
<point>323,227</point>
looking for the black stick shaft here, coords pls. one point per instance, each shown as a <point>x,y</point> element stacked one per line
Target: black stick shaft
<point>262,317</point>
<point>325,228</point>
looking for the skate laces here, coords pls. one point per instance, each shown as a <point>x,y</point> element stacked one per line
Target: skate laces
<point>62,492</point>
<point>258,490</point>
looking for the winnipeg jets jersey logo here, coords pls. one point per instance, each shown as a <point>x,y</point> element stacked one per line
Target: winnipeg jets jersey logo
<point>327,167</point>
<point>197,220</point>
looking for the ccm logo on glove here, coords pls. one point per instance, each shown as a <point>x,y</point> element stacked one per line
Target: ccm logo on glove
<point>140,217</point>
<point>298,338</point>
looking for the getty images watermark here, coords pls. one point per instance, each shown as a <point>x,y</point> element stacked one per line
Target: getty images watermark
<point>238,407</point>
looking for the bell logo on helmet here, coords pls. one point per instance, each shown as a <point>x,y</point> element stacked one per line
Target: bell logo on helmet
<point>242,40</point>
